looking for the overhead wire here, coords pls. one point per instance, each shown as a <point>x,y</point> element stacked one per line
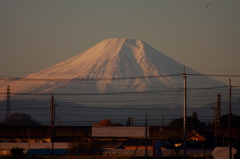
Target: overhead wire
<point>76,97</point>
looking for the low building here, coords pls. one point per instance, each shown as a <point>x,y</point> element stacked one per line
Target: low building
<point>201,140</point>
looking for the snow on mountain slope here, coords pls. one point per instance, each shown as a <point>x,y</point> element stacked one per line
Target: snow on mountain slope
<point>107,67</point>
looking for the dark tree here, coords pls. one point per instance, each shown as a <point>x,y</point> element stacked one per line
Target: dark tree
<point>235,120</point>
<point>20,119</point>
<point>224,121</point>
<point>106,122</point>
<point>194,115</point>
<point>129,121</point>
<point>15,151</point>
<point>178,122</point>
<point>191,122</point>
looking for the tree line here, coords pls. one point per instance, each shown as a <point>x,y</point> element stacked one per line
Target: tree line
<point>192,121</point>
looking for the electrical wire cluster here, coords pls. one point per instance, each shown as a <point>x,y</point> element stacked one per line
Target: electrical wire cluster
<point>86,107</point>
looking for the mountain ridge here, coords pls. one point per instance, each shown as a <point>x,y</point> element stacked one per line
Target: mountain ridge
<point>116,72</point>
<point>115,58</point>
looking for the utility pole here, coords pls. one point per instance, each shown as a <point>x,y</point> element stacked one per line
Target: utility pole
<point>204,144</point>
<point>217,118</point>
<point>131,121</point>
<point>28,140</point>
<point>57,121</point>
<point>52,122</point>
<point>161,129</point>
<point>230,118</point>
<point>184,115</point>
<point>146,130</point>
<point>8,102</point>
<point>215,122</point>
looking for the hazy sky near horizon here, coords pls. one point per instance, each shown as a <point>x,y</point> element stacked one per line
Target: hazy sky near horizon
<point>36,34</point>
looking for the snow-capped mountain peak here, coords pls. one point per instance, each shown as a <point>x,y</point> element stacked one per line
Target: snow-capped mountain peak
<point>106,67</point>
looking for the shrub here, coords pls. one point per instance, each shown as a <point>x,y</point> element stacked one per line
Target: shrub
<point>84,147</point>
<point>15,151</point>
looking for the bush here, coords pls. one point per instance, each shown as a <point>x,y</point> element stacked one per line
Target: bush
<point>15,151</point>
<point>84,147</point>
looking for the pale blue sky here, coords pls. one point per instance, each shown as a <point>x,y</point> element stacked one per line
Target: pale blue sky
<point>36,34</point>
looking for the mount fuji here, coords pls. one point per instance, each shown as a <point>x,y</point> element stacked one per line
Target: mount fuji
<point>113,65</point>
<point>117,72</point>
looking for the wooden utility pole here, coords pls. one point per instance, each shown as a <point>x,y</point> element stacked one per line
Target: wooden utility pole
<point>204,144</point>
<point>161,129</point>
<point>28,139</point>
<point>131,121</point>
<point>217,108</point>
<point>218,113</point>
<point>146,130</point>
<point>52,122</point>
<point>8,112</point>
<point>184,115</point>
<point>230,118</point>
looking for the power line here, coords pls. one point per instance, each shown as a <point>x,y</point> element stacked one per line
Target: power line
<point>114,78</point>
<point>219,75</point>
